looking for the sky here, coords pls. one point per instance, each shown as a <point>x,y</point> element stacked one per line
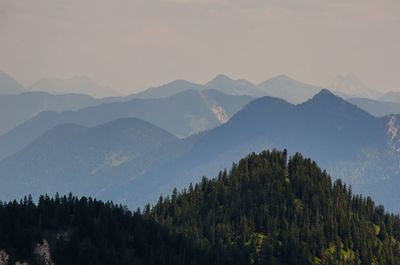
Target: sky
<point>131,45</point>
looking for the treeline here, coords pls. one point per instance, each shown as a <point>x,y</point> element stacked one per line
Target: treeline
<point>87,231</point>
<point>268,209</point>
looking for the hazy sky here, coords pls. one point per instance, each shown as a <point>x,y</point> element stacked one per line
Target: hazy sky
<point>134,44</point>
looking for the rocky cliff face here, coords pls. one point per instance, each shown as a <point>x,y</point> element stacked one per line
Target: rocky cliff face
<point>43,252</point>
<point>393,132</point>
<point>3,257</point>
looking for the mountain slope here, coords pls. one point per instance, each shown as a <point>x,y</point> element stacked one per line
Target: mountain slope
<point>349,142</point>
<point>69,157</point>
<point>76,84</point>
<point>269,209</point>
<point>391,96</point>
<point>69,230</point>
<point>291,90</point>
<point>9,85</point>
<point>16,109</point>
<point>182,114</point>
<point>167,90</point>
<point>273,210</point>
<point>353,87</point>
<point>376,107</point>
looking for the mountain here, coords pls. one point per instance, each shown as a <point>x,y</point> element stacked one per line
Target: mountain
<point>273,210</point>
<point>229,86</point>
<point>376,107</point>
<point>391,96</point>
<point>183,114</point>
<point>167,90</point>
<point>221,83</point>
<point>69,157</point>
<point>16,109</point>
<point>349,142</point>
<point>281,86</point>
<point>76,85</point>
<point>9,85</point>
<point>224,106</point>
<point>269,209</point>
<point>291,90</point>
<point>352,87</point>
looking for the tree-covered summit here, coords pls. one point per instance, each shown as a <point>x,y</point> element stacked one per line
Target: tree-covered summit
<point>273,210</point>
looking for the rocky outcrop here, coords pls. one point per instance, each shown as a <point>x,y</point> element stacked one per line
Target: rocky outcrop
<point>43,251</point>
<point>3,257</point>
<point>393,132</point>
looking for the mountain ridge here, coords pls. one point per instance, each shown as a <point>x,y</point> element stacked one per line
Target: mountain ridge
<point>9,85</point>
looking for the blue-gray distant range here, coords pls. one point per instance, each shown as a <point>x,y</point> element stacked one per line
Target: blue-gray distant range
<point>132,148</point>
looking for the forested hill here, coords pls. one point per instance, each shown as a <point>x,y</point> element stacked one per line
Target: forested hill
<point>269,209</point>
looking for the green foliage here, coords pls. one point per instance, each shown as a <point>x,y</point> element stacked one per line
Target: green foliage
<point>267,210</point>
<point>86,231</point>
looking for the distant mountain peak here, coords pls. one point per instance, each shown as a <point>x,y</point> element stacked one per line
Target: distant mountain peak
<point>221,77</point>
<point>227,85</point>
<point>181,82</point>
<point>285,87</point>
<point>349,84</point>
<point>326,100</point>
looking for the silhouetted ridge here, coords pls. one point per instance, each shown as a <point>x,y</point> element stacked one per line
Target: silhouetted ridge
<point>327,102</point>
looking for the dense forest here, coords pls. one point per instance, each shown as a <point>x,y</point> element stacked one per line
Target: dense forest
<point>268,209</point>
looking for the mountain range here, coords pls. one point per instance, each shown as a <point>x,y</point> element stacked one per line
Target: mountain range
<point>76,84</point>
<point>183,114</point>
<point>16,109</point>
<point>67,152</point>
<point>212,125</point>
<point>349,142</point>
<point>281,86</point>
